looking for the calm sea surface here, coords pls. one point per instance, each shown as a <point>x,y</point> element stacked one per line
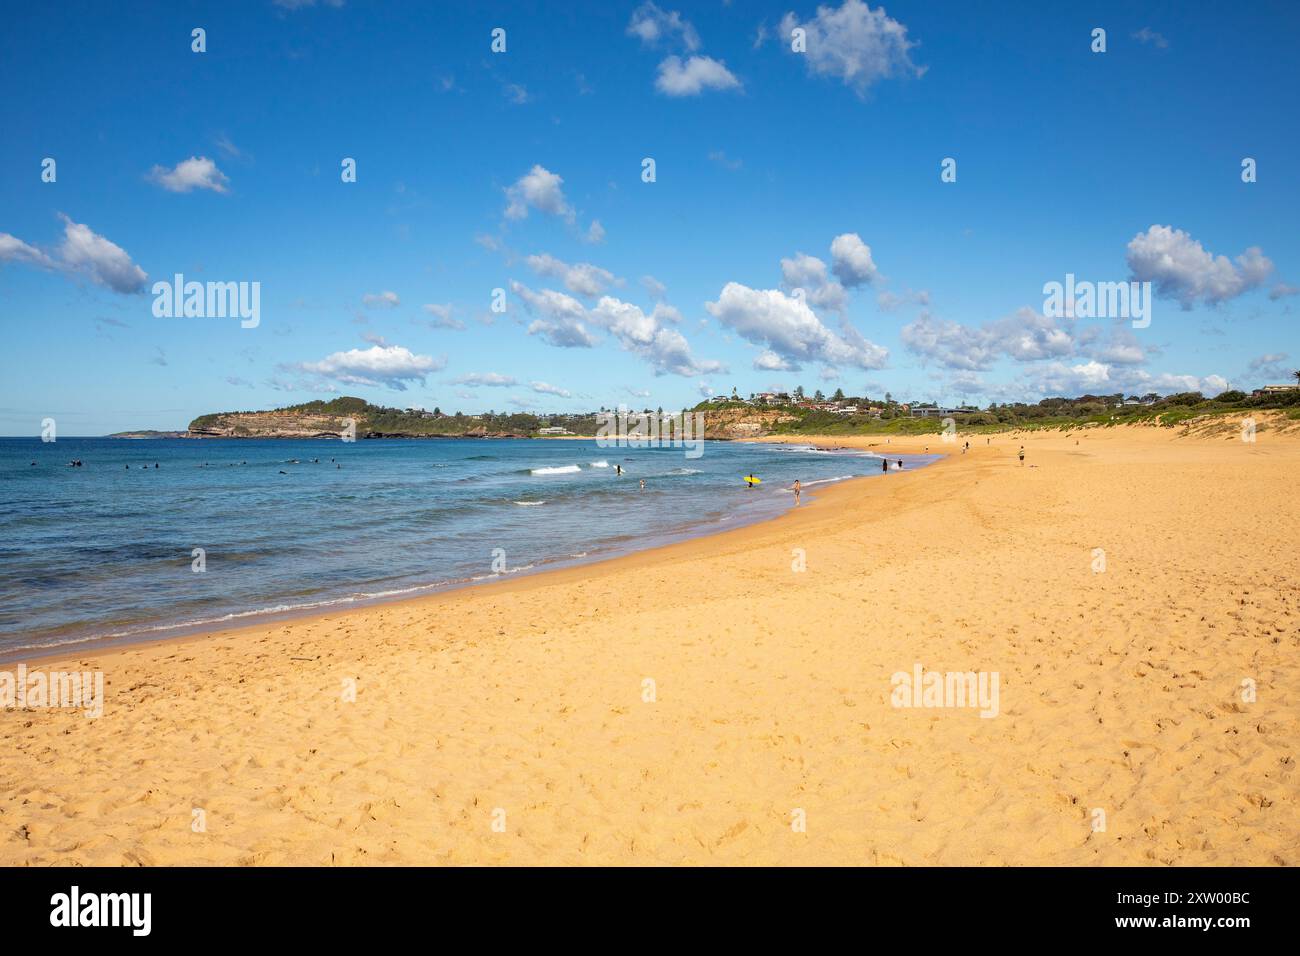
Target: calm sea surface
<point>106,550</point>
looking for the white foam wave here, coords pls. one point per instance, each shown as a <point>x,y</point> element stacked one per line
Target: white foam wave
<point>556,470</point>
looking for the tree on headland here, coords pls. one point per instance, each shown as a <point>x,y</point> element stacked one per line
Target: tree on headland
<point>838,396</point>
<point>1296,375</point>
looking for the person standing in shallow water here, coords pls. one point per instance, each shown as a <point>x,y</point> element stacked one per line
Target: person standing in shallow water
<point>884,464</point>
<point>798,490</point>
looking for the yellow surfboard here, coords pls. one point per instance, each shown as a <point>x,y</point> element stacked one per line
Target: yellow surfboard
<point>752,480</point>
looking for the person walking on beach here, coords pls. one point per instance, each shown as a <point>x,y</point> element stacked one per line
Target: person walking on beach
<point>1022,455</point>
<point>797,492</point>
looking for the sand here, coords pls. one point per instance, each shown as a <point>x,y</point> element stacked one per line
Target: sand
<point>509,723</point>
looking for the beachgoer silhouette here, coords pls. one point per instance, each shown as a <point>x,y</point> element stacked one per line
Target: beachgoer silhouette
<point>798,490</point>
<point>1022,454</point>
<point>884,464</point>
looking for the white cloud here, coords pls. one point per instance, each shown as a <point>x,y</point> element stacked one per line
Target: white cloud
<point>854,44</point>
<point>1281,291</point>
<point>13,249</point>
<point>809,274</point>
<point>1147,35</point>
<point>84,251</point>
<point>539,189</point>
<point>665,349</point>
<point>197,172</point>
<point>1098,378</point>
<point>694,76</point>
<point>561,319</point>
<point>1180,268</point>
<point>545,388</point>
<point>769,361</point>
<point>595,232</point>
<point>443,317</point>
<point>381,300</point>
<point>851,260</point>
<point>380,365</point>
<point>485,379</point>
<point>652,25</point>
<point>656,289</point>
<point>1024,336</point>
<point>788,328</point>
<point>582,278</point>
<point>516,93</point>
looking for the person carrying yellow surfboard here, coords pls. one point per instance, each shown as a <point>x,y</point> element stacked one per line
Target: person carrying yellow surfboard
<point>751,481</point>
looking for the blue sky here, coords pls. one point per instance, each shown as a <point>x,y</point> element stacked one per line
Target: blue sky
<point>797,231</point>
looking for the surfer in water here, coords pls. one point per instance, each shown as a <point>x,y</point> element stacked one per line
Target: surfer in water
<point>618,471</point>
<point>751,481</point>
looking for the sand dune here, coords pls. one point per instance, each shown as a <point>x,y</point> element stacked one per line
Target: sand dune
<point>1120,691</point>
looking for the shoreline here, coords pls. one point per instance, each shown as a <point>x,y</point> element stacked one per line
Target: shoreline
<point>108,645</point>
<point>677,705</point>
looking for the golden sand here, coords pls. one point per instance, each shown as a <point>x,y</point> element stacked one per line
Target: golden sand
<point>523,704</point>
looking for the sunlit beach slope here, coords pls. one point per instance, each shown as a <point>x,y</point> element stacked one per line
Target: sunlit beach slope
<point>700,703</point>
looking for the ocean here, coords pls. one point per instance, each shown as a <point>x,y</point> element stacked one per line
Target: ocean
<point>227,532</point>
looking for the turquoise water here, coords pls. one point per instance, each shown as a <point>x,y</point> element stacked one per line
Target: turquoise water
<point>105,550</point>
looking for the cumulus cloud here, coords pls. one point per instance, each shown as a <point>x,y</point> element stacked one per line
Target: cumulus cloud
<point>647,335</point>
<point>565,322</point>
<point>809,274</point>
<point>485,379</point>
<point>391,366</point>
<point>582,278</point>
<point>653,287</point>
<point>1180,267</point>
<point>197,172</point>
<point>692,77</point>
<point>443,317</point>
<point>381,300</point>
<point>545,388</point>
<point>1098,378</point>
<point>851,260</point>
<point>539,189</point>
<point>13,249</point>
<point>653,25</point>
<point>560,318</point>
<point>87,253</point>
<point>789,329</point>
<point>1023,336</point>
<point>855,44</point>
